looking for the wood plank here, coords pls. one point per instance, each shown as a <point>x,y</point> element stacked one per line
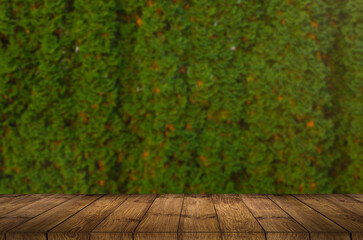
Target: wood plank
<point>276,223</point>
<point>81,224</point>
<point>156,236</point>
<point>35,208</point>
<point>111,236</point>
<point>37,227</point>
<point>199,216</point>
<point>319,226</point>
<point>242,236</point>
<point>199,236</point>
<point>358,197</point>
<point>19,202</point>
<point>124,219</point>
<point>162,217</point>
<point>8,197</point>
<point>346,202</point>
<point>342,216</point>
<point>234,217</point>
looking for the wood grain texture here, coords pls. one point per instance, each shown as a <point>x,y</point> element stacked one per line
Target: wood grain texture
<point>163,215</point>
<point>314,222</point>
<point>156,236</point>
<point>30,210</point>
<point>357,236</point>
<point>346,202</point>
<point>276,223</point>
<point>199,216</point>
<point>181,217</point>
<point>358,197</point>
<point>81,224</point>
<point>345,218</point>
<point>19,202</point>
<point>234,216</point>
<point>37,227</point>
<point>125,218</point>
<point>243,236</point>
<point>199,236</point>
<point>111,236</point>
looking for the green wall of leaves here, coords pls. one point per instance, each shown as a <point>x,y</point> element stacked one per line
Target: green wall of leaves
<point>177,96</point>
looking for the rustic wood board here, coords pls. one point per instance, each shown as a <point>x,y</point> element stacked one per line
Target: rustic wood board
<point>181,217</point>
<point>314,222</point>
<point>162,217</point>
<point>277,223</point>
<point>81,224</point>
<point>198,218</point>
<point>37,227</point>
<point>345,218</point>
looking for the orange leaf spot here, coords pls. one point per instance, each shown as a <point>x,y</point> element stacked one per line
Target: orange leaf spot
<point>102,182</point>
<point>248,102</point>
<point>313,185</point>
<point>57,165</point>
<point>94,106</point>
<point>146,154</point>
<point>283,21</point>
<point>138,21</point>
<point>100,164</point>
<point>187,6</point>
<point>17,170</point>
<point>252,112</point>
<point>301,187</point>
<point>279,98</point>
<point>83,115</point>
<point>310,124</point>
<point>179,96</point>
<point>288,1</point>
<point>245,39</point>
<point>155,66</point>
<point>182,70</point>
<point>98,56</point>
<point>105,35</point>
<point>57,143</point>
<point>314,24</point>
<point>209,116</point>
<point>189,127</point>
<point>192,19</point>
<point>200,83</point>
<point>158,11</point>
<point>157,90</point>
<point>149,3</point>
<point>203,158</point>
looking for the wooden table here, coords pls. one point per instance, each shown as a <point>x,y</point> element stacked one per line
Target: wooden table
<point>187,217</point>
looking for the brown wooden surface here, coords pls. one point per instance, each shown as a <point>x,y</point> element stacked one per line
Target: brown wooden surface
<point>344,217</point>
<point>311,220</point>
<point>181,217</point>
<point>277,223</point>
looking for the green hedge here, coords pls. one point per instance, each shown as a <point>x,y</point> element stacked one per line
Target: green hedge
<point>181,96</point>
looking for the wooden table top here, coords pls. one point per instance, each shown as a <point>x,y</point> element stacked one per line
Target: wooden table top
<point>187,217</point>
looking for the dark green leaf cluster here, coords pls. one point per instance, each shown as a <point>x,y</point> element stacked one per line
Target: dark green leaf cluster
<point>178,96</point>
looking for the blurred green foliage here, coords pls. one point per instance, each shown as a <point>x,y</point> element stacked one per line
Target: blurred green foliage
<point>180,96</point>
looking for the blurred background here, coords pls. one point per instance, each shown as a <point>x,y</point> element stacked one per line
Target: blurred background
<point>178,96</point>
